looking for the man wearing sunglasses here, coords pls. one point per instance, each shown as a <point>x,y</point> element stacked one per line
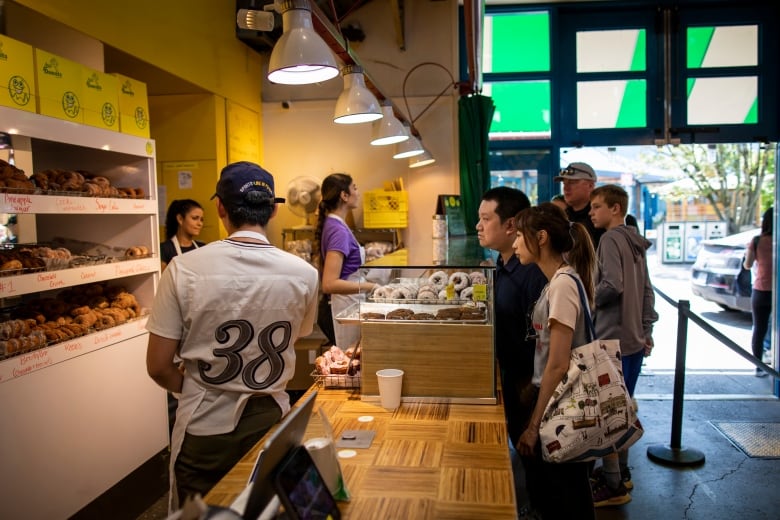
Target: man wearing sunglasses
<point>579,180</point>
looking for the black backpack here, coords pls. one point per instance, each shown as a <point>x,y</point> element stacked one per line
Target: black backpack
<point>745,277</point>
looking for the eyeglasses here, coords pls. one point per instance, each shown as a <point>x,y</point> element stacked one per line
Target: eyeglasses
<point>573,170</point>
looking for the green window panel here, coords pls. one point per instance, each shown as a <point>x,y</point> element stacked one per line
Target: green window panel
<point>707,100</point>
<point>612,104</point>
<point>517,42</point>
<point>727,46</point>
<point>612,51</point>
<point>522,107</point>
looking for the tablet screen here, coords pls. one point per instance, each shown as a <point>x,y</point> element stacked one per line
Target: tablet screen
<point>302,489</point>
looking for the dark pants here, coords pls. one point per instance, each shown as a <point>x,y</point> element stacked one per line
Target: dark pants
<point>204,460</point>
<point>761,302</point>
<point>558,491</point>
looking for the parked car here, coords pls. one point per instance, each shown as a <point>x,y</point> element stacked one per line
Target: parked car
<point>715,274</point>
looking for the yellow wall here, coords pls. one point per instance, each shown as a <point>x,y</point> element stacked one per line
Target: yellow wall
<point>187,124</point>
<point>194,40</point>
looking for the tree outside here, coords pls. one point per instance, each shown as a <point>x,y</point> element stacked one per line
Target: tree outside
<point>735,179</point>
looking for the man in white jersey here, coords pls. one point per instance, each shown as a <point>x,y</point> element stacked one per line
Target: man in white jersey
<point>223,325</point>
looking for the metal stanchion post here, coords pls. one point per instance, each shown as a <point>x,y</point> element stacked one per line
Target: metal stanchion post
<point>674,453</point>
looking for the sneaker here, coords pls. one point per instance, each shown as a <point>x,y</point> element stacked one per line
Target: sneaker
<point>604,496</point>
<point>625,476</point>
<point>761,373</point>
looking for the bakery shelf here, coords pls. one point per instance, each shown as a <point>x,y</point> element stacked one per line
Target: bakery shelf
<point>40,281</point>
<point>23,364</point>
<point>74,204</point>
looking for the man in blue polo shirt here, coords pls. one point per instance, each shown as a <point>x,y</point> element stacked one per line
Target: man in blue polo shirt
<point>517,287</point>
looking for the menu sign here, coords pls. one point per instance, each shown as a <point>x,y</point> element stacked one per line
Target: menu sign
<point>451,206</point>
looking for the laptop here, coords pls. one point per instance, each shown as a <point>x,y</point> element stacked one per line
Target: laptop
<point>287,435</point>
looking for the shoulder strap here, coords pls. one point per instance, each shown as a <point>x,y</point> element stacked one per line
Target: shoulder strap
<point>590,330</point>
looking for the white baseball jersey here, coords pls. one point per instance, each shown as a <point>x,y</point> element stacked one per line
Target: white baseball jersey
<point>237,309</point>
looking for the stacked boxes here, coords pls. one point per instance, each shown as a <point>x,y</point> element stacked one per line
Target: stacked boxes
<point>59,87</point>
<point>101,99</point>
<point>133,107</point>
<point>17,75</point>
<point>38,81</point>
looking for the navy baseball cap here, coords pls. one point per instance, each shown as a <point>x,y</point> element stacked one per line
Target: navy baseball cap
<point>241,178</point>
<point>576,170</point>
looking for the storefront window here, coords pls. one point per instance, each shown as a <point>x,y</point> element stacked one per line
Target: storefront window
<point>611,51</point>
<point>733,46</point>
<point>516,42</point>
<point>612,104</point>
<point>522,109</point>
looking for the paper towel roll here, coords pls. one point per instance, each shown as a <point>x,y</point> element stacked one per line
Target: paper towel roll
<point>323,452</point>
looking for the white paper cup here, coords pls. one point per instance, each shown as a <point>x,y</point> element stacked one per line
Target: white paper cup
<point>390,381</point>
<point>323,453</point>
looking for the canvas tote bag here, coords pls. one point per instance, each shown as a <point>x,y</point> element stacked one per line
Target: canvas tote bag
<point>590,413</point>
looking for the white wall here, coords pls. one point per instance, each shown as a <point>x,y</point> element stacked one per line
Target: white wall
<point>303,140</point>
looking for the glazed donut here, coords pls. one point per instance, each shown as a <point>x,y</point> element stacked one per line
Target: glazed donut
<point>11,265</point>
<point>105,321</point>
<point>381,292</point>
<point>477,277</point>
<point>427,294</point>
<point>467,293</point>
<point>339,367</point>
<point>442,294</point>
<point>402,293</point>
<point>101,181</point>
<point>439,280</point>
<point>133,251</point>
<point>460,280</point>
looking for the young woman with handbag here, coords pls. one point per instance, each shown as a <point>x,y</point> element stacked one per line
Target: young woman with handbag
<point>563,251</point>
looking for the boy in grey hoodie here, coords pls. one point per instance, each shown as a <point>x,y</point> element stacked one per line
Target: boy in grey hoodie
<point>624,310</point>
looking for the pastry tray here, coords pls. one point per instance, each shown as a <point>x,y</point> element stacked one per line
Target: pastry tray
<point>351,316</point>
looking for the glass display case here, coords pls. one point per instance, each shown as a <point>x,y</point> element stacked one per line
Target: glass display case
<point>436,324</point>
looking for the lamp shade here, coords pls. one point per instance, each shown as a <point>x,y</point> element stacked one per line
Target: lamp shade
<point>356,104</point>
<point>387,130</point>
<point>408,148</point>
<point>424,159</point>
<point>300,56</point>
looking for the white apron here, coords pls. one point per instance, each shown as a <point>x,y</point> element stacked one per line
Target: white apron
<point>177,247</point>
<point>347,334</point>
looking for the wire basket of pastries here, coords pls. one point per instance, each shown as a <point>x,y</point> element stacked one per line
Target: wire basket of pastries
<point>337,368</point>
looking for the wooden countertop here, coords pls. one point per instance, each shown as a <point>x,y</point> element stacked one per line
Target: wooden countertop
<point>427,461</point>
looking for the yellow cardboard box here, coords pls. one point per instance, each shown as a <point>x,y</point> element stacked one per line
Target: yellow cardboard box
<point>133,106</point>
<point>17,74</point>
<point>59,86</point>
<point>101,99</point>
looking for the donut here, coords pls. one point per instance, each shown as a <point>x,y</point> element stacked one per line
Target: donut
<point>452,313</point>
<point>442,294</point>
<point>477,277</point>
<point>423,316</point>
<point>105,321</point>
<point>133,251</point>
<point>460,280</point>
<point>402,293</point>
<point>427,294</point>
<point>381,292</point>
<point>472,314</point>
<point>11,265</point>
<point>439,280</point>
<point>400,314</point>
<point>371,316</point>
<point>101,181</point>
<point>467,293</point>
<point>339,367</point>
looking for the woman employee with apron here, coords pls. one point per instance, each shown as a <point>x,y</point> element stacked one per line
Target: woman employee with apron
<point>183,222</point>
<point>340,254</point>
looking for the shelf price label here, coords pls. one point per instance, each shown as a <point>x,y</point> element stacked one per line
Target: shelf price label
<point>104,205</point>
<point>13,203</point>
<point>7,287</point>
<point>70,205</point>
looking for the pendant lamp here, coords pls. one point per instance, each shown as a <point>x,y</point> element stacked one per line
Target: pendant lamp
<point>301,56</point>
<point>424,159</point>
<point>356,104</point>
<point>389,129</point>
<point>408,148</point>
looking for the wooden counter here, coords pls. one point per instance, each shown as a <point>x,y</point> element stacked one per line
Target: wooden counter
<point>427,461</point>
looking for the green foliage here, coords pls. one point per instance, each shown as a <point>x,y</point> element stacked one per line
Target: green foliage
<point>736,179</point>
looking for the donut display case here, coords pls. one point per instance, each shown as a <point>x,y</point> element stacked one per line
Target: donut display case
<point>73,384</point>
<point>436,324</point>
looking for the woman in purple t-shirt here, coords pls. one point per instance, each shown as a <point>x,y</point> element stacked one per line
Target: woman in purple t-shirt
<point>340,253</point>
